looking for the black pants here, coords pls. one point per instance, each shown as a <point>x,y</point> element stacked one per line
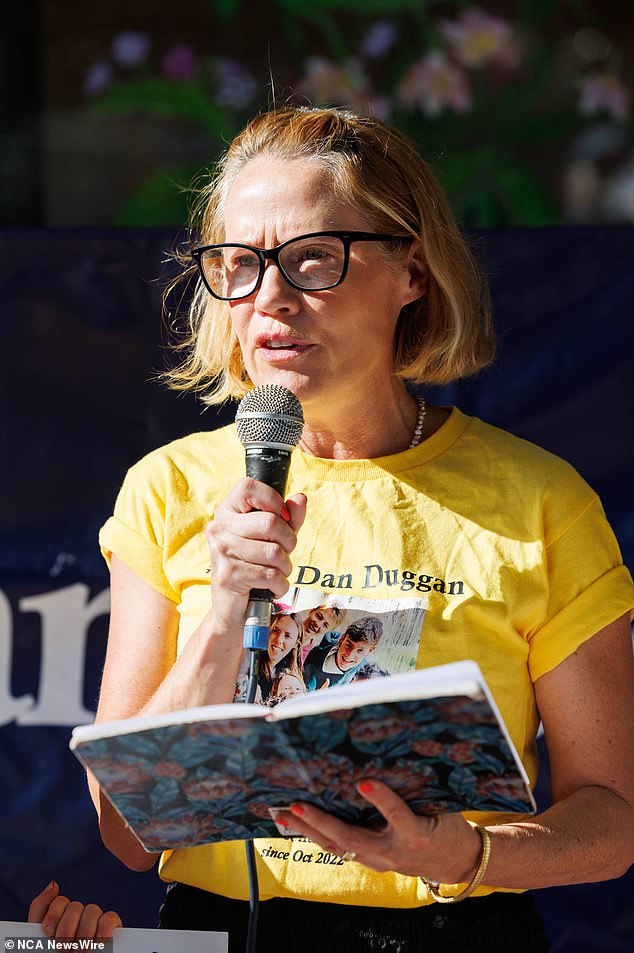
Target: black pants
<point>499,923</point>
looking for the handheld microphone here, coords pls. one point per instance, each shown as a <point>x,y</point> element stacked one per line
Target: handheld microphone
<point>269,422</point>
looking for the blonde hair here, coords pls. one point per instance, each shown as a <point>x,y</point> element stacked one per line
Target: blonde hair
<point>444,335</point>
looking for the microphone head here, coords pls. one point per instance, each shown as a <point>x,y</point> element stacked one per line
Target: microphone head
<point>270,414</point>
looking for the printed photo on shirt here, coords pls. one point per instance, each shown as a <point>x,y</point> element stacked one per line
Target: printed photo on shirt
<point>319,641</point>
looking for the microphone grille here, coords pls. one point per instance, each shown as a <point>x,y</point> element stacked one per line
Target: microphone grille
<point>270,414</point>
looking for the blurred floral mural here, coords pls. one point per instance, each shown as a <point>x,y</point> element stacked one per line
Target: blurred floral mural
<point>524,109</point>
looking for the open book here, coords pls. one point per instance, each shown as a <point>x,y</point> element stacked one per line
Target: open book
<point>223,772</point>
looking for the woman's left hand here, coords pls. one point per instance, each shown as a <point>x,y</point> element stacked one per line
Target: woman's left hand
<point>444,848</point>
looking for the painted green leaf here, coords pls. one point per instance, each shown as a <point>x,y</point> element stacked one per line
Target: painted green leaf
<point>160,97</point>
<point>226,10</point>
<point>162,199</point>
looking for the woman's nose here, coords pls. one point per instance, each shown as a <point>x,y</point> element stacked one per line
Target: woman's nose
<point>275,294</point>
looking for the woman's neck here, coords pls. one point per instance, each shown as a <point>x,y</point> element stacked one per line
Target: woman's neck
<point>378,425</point>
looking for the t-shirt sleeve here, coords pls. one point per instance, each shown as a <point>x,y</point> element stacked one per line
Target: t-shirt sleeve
<point>588,585</point>
<point>135,532</point>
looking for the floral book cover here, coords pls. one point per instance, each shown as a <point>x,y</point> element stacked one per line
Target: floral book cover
<point>220,773</point>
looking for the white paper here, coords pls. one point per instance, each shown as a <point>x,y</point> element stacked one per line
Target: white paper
<point>126,939</point>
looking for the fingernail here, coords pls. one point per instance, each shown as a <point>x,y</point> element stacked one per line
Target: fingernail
<point>285,514</point>
<point>365,787</point>
<point>48,928</point>
<point>51,886</point>
<point>297,809</point>
<point>281,822</point>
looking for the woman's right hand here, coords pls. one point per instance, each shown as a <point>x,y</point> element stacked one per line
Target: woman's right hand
<point>250,539</point>
<point>144,673</point>
<point>66,919</point>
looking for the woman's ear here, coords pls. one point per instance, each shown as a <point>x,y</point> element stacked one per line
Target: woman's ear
<point>417,271</point>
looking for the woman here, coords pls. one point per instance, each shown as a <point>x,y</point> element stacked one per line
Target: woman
<point>281,673</point>
<point>281,670</point>
<point>332,266</point>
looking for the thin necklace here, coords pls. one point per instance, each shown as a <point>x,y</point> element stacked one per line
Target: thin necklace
<point>417,436</point>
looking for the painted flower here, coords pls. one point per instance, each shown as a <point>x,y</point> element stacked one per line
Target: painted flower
<point>210,789</point>
<point>169,769</point>
<point>501,787</point>
<point>315,774</point>
<point>477,38</point>
<point>408,784</point>
<point>376,730</point>
<point>433,84</point>
<point>236,86</point>
<point>179,63</point>
<point>328,83</point>
<point>120,776</point>
<point>97,78</point>
<point>464,711</point>
<point>344,783</point>
<point>260,809</point>
<point>462,752</point>
<point>379,107</point>
<point>181,831</point>
<point>428,747</point>
<point>130,48</point>
<point>379,39</point>
<point>604,92</point>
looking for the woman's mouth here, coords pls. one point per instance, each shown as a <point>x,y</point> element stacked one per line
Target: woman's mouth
<point>281,348</point>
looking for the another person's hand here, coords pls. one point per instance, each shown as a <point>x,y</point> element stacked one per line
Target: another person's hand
<point>68,920</point>
<point>250,538</point>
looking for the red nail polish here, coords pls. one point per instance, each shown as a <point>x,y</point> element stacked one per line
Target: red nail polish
<point>365,787</point>
<point>297,809</point>
<point>281,822</point>
<point>285,514</point>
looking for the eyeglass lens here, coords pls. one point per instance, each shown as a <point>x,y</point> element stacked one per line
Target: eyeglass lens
<point>312,264</point>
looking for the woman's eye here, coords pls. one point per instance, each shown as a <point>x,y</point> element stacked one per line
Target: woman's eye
<point>313,254</point>
<point>245,261</point>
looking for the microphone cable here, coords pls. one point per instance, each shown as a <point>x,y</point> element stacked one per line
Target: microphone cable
<point>254,887</point>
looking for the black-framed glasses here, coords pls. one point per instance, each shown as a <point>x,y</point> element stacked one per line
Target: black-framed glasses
<point>314,262</point>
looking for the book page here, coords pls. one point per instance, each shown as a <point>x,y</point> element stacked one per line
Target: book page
<point>453,678</point>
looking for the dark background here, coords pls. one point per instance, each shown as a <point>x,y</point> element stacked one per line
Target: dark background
<point>103,126</point>
<point>81,344</point>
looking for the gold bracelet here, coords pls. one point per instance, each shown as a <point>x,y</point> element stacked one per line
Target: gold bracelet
<point>478,877</point>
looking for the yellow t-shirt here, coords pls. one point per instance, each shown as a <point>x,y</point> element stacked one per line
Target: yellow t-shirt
<point>508,543</point>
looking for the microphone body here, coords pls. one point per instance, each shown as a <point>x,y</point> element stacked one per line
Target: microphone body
<point>269,465</point>
<point>269,422</point>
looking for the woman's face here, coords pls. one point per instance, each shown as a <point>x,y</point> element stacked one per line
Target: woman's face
<point>323,345</point>
<point>282,638</point>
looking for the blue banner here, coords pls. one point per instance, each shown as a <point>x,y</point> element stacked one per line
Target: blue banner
<point>81,345</point>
